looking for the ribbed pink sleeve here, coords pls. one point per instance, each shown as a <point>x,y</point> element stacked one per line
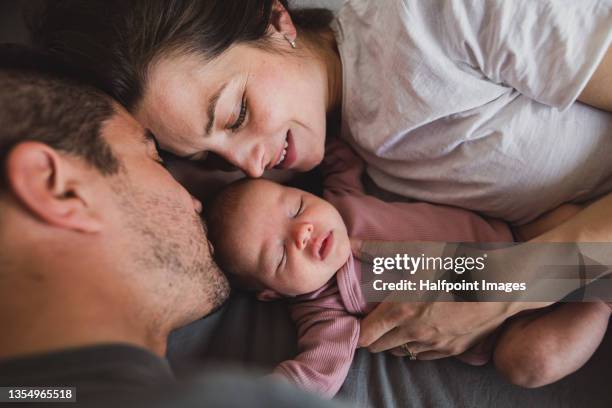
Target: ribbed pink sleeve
<point>369,218</point>
<point>326,346</point>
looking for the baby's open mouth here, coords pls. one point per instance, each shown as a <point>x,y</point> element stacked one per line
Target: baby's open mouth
<point>288,155</point>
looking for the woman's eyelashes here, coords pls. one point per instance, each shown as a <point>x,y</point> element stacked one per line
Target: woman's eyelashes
<point>241,116</point>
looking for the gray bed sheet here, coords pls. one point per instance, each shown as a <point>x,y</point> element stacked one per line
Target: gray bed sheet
<point>257,335</point>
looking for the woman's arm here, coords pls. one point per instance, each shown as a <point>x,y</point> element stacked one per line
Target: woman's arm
<point>598,91</point>
<point>443,329</point>
<point>546,222</point>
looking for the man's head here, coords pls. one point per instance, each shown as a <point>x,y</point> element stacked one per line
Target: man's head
<point>277,240</point>
<point>87,210</point>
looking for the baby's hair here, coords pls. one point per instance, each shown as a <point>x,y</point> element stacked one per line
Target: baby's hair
<point>219,214</point>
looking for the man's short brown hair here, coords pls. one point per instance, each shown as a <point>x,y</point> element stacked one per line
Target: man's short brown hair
<point>43,100</point>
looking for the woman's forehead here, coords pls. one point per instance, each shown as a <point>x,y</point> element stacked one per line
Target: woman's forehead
<point>195,67</point>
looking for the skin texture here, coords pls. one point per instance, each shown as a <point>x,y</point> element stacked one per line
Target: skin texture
<point>283,90</point>
<point>132,243</point>
<point>279,245</point>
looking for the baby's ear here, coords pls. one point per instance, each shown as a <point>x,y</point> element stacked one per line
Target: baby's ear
<point>268,295</point>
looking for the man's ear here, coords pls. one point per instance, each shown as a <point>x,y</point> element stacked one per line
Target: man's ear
<point>281,21</point>
<point>268,295</point>
<point>51,187</point>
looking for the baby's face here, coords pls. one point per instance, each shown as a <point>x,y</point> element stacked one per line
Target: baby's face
<point>291,241</point>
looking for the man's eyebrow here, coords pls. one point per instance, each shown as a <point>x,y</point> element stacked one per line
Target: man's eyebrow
<point>212,106</point>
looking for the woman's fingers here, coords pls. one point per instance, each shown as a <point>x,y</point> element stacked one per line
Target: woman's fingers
<point>378,322</point>
<point>431,355</point>
<point>414,348</point>
<point>393,338</point>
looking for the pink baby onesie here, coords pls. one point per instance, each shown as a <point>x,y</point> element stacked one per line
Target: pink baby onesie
<point>328,318</point>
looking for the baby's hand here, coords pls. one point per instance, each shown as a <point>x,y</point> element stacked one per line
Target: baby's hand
<point>546,222</point>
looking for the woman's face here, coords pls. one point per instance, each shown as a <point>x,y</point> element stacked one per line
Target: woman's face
<point>256,109</point>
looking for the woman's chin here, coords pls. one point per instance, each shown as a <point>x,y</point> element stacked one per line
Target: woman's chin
<point>306,167</point>
<point>310,163</point>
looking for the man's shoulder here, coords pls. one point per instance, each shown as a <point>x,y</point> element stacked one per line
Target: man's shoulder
<point>94,371</point>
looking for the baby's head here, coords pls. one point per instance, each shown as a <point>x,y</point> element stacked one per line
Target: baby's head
<point>277,240</point>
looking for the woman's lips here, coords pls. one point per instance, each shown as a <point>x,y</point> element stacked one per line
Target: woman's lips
<point>291,156</point>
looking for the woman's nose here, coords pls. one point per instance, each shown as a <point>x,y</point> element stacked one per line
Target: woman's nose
<point>249,157</point>
<point>301,234</point>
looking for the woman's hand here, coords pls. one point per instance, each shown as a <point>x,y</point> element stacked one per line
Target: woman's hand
<point>430,330</point>
<point>434,330</point>
<point>441,329</point>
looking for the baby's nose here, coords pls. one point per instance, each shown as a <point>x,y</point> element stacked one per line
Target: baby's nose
<point>302,233</point>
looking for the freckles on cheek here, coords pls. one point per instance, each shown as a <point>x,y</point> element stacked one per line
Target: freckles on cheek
<point>263,114</point>
<point>269,94</point>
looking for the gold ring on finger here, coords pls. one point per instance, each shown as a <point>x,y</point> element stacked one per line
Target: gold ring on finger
<point>409,354</point>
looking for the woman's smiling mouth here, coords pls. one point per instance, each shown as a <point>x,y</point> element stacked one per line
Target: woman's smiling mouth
<point>287,156</point>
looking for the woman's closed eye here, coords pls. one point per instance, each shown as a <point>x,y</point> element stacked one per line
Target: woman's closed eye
<point>241,116</point>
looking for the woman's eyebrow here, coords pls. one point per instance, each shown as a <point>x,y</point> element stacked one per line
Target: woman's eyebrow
<point>212,106</point>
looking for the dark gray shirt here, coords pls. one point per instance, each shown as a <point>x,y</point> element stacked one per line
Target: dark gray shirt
<point>128,376</point>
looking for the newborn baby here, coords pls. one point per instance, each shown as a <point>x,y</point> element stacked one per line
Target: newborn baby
<point>286,243</point>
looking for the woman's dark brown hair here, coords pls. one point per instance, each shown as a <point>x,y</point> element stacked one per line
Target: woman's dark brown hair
<point>116,41</point>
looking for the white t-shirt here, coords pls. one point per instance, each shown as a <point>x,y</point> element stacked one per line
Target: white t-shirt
<point>471,102</point>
